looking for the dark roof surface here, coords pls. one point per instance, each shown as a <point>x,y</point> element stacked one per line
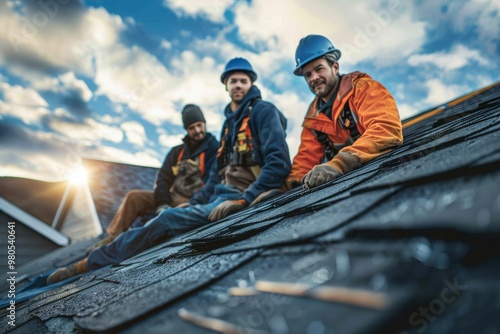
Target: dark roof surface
<point>110,181</point>
<point>408,243</point>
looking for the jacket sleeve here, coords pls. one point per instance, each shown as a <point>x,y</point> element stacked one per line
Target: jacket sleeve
<point>203,195</point>
<point>378,118</point>
<point>269,125</point>
<point>210,158</point>
<point>310,153</point>
<point>165,178</point>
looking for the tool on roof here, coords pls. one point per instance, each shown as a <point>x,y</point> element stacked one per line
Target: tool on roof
<point>358,297</point>
<point>216,325</point>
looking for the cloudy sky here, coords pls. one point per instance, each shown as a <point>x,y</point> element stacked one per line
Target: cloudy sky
<point>106,79</point>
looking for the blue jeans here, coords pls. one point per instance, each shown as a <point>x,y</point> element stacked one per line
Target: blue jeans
<point>168,224</point>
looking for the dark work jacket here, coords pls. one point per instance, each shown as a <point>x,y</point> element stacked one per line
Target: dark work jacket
<point>267,125</point>
<point>165,177</point>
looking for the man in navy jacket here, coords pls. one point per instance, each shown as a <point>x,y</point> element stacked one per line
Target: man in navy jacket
<point>253,159</point>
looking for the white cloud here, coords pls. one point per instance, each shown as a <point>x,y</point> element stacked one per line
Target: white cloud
<point>43,82</point>
<point>71,83</point>
<point>459,56</point>
<point>440,92</point>
<point>362,30</point>
<point>123,156</point>
<point>58,46</point>
<point>212,10</point>
<point>405,111</point>
<point>61,112</point>
<point>483,14</point>
<point>23,103</point>
<point>89,132</point>
<point>108,119</point>
<point>38,155</point>
<point>133,77</point>
<point>165,44</point>
<point>29,115</point>
<point>20,96</point>
<point>170,140</point>
<point>199,84</point>
<point>35,165</point>
<point>104,131</point>
<point>480,17</point>
<point>135,133</point>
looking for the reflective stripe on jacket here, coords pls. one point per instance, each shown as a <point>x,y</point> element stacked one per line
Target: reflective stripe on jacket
<point>166,178</point>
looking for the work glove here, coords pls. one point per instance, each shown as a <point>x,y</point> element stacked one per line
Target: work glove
<point>226,208</point>
<point>320,174</point>
<point>161,208</point>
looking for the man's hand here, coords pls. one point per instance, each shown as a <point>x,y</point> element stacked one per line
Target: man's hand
<point>290,184</point>
<point>320,174</point>
<point>183,205</point>
<point>226,208</point>
<point>161,208</point>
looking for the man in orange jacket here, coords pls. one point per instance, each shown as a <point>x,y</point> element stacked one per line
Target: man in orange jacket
<point>352,120</point>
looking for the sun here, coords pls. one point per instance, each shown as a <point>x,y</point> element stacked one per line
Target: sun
<point>78,175</point>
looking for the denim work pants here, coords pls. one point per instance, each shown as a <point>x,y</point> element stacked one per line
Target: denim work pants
<point>168,224</point>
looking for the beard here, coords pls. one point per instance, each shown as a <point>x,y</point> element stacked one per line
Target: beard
<point>323,87</point>
<point>198,137</point>
<point>237,96</point>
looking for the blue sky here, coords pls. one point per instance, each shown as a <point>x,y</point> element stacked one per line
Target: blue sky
<point>106,79</point>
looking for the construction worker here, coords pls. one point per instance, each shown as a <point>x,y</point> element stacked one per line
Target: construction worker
<point>185,169</point>
<point>253,161</point>
<point>352,120</point>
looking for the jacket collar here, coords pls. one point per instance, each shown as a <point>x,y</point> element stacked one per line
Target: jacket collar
<point>347,84</point>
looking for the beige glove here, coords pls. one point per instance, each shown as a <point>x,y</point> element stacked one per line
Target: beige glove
<point>226,208</point>
<point>320,174</point>
<point>161,208</point>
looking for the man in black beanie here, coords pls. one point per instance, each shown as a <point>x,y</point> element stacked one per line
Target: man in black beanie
<point>184,171</point>
<point>191,114</point>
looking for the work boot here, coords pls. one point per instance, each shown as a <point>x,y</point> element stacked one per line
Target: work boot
<point>98,244</point>
<point>75,269</point>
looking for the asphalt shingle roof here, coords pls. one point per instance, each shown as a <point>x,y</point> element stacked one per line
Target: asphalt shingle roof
<point>409,243</point>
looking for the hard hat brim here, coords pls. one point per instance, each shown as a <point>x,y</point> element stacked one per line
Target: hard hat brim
<point>225,75</point>
<point>298,69</point>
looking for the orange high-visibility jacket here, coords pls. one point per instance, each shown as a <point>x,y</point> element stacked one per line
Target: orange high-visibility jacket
<point>379,125</point>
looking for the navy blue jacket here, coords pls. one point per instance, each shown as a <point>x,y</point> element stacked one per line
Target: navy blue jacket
<point>165,177</point>
<point>267,125</point>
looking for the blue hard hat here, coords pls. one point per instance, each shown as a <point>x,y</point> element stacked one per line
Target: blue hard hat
<point>312,47</point>
<point>238,64</point>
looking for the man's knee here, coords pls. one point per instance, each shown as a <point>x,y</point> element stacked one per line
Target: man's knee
<point>137,195</point>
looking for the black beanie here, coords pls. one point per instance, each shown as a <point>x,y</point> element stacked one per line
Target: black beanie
<point>191,114</point>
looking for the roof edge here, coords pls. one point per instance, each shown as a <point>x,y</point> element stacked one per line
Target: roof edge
<point>33,223</point>
<point>437,109</point>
